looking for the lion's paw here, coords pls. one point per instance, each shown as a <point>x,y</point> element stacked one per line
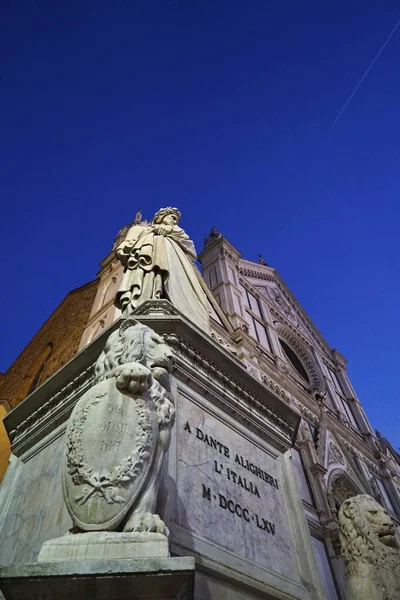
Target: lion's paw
<point>133,378</point>
<point>146,522</point>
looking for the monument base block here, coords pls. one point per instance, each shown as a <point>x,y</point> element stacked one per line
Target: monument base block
<point>139,579</point>
<point>98,545</point>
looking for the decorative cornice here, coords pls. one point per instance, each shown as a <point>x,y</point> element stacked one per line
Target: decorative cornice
<point>223,342</point>
<point>255,274</point>
<point>310,416</point>
<point>59,403</point>
<point>221,245</point>
<point>211,375</point>
<point>360,454</point>
<point>202,363</point>
<point>318,470</point>
<point>155,307</point>
<point>276,388</point>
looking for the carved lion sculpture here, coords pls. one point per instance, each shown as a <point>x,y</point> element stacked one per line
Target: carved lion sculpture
<point>119,433</point>
<point>370,550</point>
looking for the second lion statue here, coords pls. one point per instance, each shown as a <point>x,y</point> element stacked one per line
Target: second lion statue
<point>118,435</point>
<point>370,550</point>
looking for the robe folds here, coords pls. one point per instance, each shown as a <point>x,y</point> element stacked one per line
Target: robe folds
<point>158,266</point>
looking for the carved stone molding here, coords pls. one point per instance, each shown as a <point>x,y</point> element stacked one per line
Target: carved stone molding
<point>277,388</point>
<point>335,455</point>
<point>215,336</point>
<point>151,307</point>
<point>349,447</point>
<point>283,306</point>
<point>187,354</point>
<point>372,467</point>
<point>279,315</point>
<point>316,378</point>
<point>255,274</point>
<point>310,416</point>
<point>226,252</point>
<point>253,290</point>
<point>201,362</point>
<point>305,327</point>
<point>55,403</point>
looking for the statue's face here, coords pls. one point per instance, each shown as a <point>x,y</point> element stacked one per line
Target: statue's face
<point>381,524</point>
<point>170,219</point>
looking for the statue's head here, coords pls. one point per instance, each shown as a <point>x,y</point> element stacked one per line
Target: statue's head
<point>367,533</point>
<point>168,216</point>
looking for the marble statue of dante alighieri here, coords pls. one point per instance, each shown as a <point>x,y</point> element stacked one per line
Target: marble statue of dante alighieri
<point>158,261</point>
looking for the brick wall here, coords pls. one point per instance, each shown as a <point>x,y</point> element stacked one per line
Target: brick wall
<point>54,344</point>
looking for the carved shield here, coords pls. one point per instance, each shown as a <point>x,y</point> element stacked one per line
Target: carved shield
<point>111,439</point>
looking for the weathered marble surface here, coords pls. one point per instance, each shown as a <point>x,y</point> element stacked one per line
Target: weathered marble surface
<point>209,587</point>
<point>230,492</point>
<point>241,562</point>
<point>99,545</point>
<point>370,550</point>
<point>151,579</point>
<point>37,511</point>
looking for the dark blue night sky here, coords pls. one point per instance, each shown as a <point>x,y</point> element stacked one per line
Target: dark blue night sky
<point>224,109</point>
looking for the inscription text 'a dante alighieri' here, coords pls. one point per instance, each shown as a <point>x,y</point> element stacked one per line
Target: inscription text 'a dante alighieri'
<point>240,460</point>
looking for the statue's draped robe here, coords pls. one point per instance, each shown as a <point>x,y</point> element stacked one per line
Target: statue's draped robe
<point>158,266</point>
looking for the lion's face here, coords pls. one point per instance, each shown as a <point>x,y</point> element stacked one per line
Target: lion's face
<point>367,533</point>
<point>380,524</point>
<point>159,357</point>
<point>135,342</point>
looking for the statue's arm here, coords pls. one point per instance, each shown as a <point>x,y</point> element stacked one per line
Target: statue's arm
<point>123,250</point>
<point>177,235</point>
<point>183,240</point>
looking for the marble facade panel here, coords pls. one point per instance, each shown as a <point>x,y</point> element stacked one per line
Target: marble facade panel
<point>36,510</point>
<point>229,495</point>
<point>208,587</point>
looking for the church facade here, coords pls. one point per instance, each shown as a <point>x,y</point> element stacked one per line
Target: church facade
<point>269,440</point>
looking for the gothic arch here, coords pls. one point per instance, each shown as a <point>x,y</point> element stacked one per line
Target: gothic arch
<point>341,486</point>
<point>303,354</point>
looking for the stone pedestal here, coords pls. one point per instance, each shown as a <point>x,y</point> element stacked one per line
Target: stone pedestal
<point>104,545</point>
<point>139,579</point>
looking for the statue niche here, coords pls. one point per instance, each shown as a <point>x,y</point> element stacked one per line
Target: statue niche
<point>370,550</point>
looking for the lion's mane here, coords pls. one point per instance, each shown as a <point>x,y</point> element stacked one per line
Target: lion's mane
<point>135,342</point>
<point>361,545</point>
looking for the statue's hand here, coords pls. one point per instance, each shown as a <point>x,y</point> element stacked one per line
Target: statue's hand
<point>133,378</point>
<point>163,230</point>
